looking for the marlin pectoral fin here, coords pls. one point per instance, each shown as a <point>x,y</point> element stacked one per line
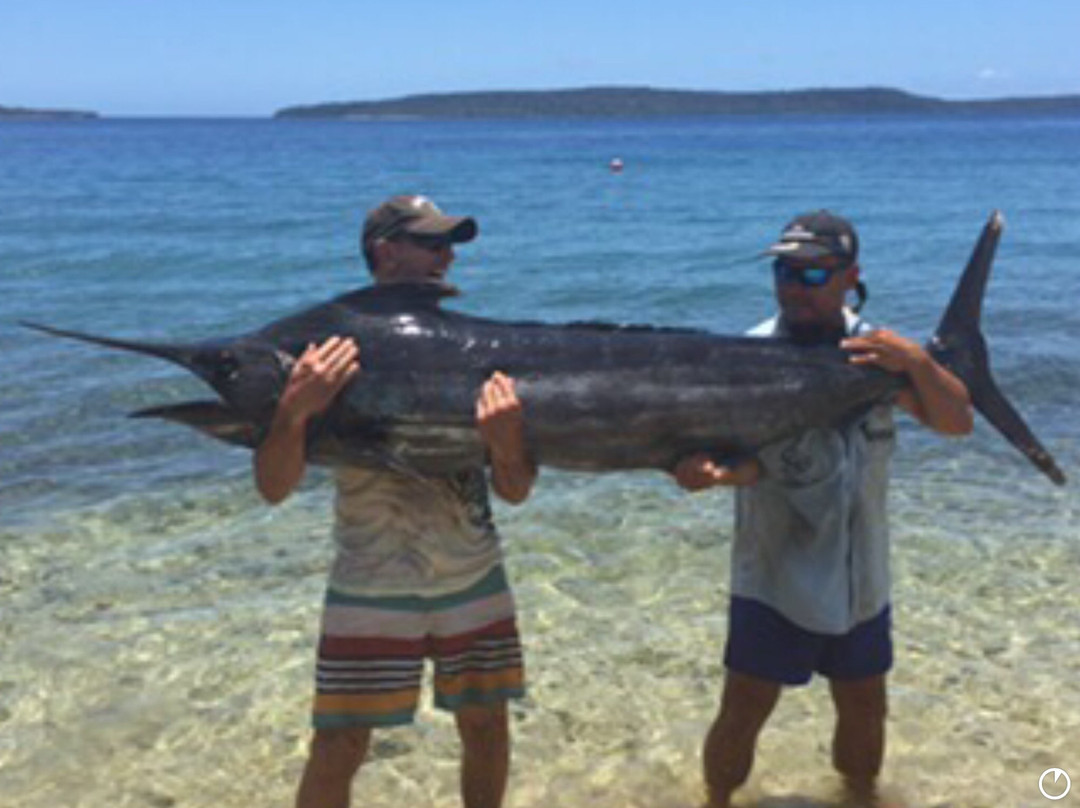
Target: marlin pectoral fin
<point>211,417</point>
<point>386,459</point>
<point>324,448</point>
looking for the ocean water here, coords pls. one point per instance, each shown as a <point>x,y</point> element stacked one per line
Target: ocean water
<point>157,621</point>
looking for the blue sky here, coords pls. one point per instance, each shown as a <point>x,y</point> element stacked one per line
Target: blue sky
<point>165,57</point>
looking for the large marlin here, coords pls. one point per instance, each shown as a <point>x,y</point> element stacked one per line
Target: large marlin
<point>596,397</point>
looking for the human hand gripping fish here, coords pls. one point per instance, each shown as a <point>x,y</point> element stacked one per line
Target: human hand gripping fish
<point>500,420</point>
<point>937,397</point>
<point>321,372</point>
<point>314,381</point>
<point>700,471</point>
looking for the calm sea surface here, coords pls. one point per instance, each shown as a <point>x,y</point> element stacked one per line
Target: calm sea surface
<point>157,622</point>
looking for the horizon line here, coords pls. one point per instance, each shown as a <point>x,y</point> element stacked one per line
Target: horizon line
<point>45,111</point>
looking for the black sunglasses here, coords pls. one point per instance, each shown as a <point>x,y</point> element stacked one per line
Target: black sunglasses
<point>429,243</point>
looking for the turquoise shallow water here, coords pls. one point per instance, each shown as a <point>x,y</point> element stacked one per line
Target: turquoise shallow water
<point>158,620</point>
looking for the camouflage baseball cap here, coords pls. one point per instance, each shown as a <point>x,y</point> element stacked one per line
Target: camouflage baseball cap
<point>416,216</point>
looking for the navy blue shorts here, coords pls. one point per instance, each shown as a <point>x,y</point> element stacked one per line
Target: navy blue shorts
<point>765,644</point>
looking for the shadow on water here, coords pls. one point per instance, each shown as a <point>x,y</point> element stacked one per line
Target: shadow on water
<point>883,799</point>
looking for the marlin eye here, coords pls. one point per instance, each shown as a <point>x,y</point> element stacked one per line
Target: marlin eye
<point>228,367</point>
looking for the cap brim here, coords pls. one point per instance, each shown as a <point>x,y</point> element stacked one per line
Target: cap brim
<point>456,229</point>
<point>798,249</point>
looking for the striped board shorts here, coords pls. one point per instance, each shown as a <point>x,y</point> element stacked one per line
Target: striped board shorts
<point>372,651</point>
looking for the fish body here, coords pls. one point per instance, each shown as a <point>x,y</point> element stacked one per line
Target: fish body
<point>596,397</point>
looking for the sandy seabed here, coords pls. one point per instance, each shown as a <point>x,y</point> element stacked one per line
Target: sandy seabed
<point>158,653</point>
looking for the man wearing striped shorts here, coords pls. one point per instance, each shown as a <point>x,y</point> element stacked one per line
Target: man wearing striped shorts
<point>418,571</point>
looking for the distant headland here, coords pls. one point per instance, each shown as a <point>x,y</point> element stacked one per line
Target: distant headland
<point>25,114</point>
<point>648,102</point>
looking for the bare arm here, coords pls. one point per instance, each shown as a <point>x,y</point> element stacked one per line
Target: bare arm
<point>500,419</point>
<point>317,377</point>
<point>699,471</point>
<point>937,398</point>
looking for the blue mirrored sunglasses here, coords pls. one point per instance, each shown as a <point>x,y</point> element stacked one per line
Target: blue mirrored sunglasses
<point>806,276</point>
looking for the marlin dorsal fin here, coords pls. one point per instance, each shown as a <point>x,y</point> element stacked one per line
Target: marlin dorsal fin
<point>396,296</point>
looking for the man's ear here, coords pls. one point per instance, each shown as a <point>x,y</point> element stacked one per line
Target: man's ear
<point>852,276</point>
<point>383,253</point>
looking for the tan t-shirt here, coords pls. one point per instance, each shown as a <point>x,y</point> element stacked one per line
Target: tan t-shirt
<point>404,535</point>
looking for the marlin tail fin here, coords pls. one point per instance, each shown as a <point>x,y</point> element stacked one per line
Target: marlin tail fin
<point>960,346</point>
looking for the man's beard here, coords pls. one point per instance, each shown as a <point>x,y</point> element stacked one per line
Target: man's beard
<point>815,333</point>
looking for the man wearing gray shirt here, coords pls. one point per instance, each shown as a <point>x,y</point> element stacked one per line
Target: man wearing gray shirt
<point>810,557</point>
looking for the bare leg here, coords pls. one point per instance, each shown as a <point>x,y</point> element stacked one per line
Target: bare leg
<point>485,755</point>
<point>859,739</point>
<point>729,747</point>
<point>332,762</point>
